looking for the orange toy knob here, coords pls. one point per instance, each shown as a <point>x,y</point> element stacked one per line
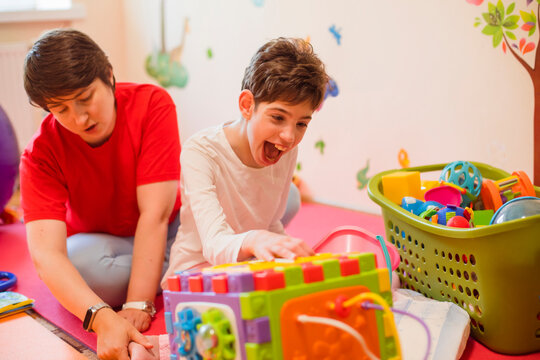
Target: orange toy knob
<point>490,195</point>
<point>340,309</point>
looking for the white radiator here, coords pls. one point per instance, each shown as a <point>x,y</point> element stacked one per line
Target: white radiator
<point>13,98</point>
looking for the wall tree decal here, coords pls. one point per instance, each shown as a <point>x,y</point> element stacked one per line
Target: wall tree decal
<point>513,31</point>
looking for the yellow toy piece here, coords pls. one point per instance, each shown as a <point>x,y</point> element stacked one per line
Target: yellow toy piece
<point>398,184</point>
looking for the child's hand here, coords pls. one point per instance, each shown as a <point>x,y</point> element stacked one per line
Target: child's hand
<point>139,352</point>
<point>266,245</point>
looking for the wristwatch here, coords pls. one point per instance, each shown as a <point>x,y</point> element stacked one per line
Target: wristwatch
<point>146,306</point>
<point>91,315</point>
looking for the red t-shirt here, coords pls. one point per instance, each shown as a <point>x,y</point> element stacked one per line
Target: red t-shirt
<point>94,189</point>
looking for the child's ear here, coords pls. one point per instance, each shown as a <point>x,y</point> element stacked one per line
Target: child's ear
<point>246,103</point>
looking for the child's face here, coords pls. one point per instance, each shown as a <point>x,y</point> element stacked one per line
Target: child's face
<point>276,128</point>
<point>88,112</point>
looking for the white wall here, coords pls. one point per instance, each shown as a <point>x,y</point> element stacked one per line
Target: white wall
<point>412,74</point>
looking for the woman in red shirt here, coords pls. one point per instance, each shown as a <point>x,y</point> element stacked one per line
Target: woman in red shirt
<point>99,185</point>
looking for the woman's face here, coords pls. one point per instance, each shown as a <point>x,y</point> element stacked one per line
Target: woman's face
<point>88,112</point>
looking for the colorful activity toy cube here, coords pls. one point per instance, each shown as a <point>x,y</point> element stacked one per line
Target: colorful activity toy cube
<point>273,310</point>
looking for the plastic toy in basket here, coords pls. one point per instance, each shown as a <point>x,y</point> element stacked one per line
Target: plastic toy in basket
<point>412,204</point>
<point>449,212</point>
<point>489,271</point>
<point>495,193</point>
<point>465,175</point>
<point>517,208</point>
<point>445,194</point>
<point>419,207</point>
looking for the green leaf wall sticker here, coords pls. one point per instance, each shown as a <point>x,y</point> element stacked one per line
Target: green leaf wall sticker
<point>320,145</point>
<point>361,176</point>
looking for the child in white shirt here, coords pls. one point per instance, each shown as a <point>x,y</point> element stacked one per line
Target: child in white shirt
<point>236,176</point>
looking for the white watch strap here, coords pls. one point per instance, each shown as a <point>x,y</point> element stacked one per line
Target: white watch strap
<point>146,306</point>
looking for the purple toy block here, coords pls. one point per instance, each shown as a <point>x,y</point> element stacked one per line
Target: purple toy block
<point>184,279</point>
<point>258,330</point>
<point>240,282</point>
<point>207,282</point>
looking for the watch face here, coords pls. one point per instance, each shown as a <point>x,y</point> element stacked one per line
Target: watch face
<point>87,319</point>
<point>150,308</point>
<point>91,314</point>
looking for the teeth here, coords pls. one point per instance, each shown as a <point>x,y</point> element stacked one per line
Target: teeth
<point>280,148</point>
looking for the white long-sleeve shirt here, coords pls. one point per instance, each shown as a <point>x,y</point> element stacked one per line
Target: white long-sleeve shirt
<point>223,199</point>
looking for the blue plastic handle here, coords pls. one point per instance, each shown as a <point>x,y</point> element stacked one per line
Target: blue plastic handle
<point>386,257</point>
<point>7,280</point>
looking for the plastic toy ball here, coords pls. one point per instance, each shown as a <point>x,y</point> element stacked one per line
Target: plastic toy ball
<point>517,208</point>
<point>459,222</point>
<point>463,174</point>
<point>9,159</point>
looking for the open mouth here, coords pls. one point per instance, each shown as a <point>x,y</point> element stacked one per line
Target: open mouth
<point>272,152</point>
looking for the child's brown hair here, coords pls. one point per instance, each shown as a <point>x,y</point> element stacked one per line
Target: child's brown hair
<point>286,69</point>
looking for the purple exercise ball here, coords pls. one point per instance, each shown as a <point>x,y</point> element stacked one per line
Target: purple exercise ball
<point>9,159</point>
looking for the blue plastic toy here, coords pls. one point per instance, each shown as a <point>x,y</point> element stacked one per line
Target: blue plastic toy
<point>430,206</point>
<point>465,175</point>
<point>7,280</point>
<point>445,214</point>
<point>412,204</point>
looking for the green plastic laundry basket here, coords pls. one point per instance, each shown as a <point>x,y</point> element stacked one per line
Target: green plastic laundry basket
<point>493,272</point>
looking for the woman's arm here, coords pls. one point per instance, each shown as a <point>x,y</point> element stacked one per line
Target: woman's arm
<point>156,201</point>
<point>47,245</point>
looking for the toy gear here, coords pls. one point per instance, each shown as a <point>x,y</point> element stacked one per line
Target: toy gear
<point>214,336</point>
<point>186,328</point>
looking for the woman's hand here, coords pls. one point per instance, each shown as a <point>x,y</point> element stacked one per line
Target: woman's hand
<point>139,319</point>
<point>266,245</point>
<point>114,333</point>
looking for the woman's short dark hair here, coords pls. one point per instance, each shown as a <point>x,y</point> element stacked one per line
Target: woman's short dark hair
<point>62,61</point>
<point>286,69</point>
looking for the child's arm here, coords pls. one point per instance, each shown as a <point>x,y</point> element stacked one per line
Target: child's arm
<point>220,244</point>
